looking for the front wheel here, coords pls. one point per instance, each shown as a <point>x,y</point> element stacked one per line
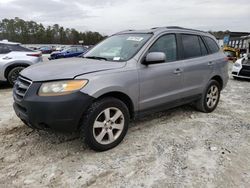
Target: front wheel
<point>105,124</point>
<point>13,74</point>
<point>210,98</point>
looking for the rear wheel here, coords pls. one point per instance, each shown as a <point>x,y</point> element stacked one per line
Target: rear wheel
<point>210,98</point>
<point>13,74</point>
<point>105,124</point>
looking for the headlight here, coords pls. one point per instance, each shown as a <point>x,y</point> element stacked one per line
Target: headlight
<point>237,64</point>
<point>61,87</point>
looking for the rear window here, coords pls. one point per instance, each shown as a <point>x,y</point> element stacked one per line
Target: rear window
<point>191,46</point>
<point>212,45</point>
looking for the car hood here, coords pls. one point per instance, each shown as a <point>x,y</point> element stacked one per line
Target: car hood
<point>67,69</point>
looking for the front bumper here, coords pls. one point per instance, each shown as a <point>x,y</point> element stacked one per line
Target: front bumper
<point>61,113</point>
<point>241,72</point>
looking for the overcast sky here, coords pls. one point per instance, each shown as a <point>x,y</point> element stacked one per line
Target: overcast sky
<point>109,16</point>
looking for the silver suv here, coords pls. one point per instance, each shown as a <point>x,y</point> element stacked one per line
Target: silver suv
<point>14,58</point>
<point>128,75</point>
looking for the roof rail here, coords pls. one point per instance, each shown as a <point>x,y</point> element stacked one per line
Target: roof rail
<point>177,27</point>
<point>124,31</point>
<point>174,27</point>
<point>155,28</point>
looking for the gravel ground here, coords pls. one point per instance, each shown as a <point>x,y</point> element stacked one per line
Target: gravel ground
<point>177,148</point>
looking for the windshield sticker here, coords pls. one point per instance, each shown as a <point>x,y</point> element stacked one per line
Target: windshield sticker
<point>116,58</point>
<point>137,39</point>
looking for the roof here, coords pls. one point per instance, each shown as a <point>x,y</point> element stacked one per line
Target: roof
<point>157,30</point>
<point>7,42</point>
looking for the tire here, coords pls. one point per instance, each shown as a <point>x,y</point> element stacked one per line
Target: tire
<point>99,130</point>
<point>13,74</point>
<point>210,97</point>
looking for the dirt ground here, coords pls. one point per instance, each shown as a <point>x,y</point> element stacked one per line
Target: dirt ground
<point>177,148</point>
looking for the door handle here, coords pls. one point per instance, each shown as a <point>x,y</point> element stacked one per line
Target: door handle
<point>177,71</point>
<point>210,63</point>
<point>7,58</point>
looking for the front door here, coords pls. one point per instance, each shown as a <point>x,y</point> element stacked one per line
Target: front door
<point>160,83</point>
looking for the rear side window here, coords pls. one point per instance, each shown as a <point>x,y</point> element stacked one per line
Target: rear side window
<point>4,49</point>
<point>212,45</point>
<point>18,48</point>
<point>203,47</point>
<point>167,45</point>
<point>191,46</point>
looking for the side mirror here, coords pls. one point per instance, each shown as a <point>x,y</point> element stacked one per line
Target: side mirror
<point>154,57</point>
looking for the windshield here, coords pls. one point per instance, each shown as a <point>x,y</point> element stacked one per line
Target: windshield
<point>118,47</point>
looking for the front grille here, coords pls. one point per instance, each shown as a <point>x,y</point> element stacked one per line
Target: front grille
<point>246,67</point>
<point>20,88</point>
<point>244,72</point>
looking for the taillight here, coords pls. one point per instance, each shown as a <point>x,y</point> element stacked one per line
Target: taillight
<point>35,55</point>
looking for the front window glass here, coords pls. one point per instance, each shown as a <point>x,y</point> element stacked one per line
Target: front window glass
<point>119,47</point>
<point>69,50</point>
<point>167,45</point>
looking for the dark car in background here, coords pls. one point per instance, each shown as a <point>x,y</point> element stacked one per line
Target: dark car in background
<point>46,49</point>
<point>68,52</point>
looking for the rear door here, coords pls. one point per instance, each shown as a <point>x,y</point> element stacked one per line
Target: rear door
<point>4,50</point>
<point>160,83</point>
<point>196,65</point>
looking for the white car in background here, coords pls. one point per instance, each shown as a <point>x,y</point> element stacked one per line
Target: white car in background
<point>14,58</point>
<point>241,68</point>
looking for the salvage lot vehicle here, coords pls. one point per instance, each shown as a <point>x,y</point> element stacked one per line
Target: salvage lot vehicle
<point>231,52</point>
<point>14,58</point>
<point>68,52</point>
<point>46,49</point>
<point>241,68</point>
<point>155,69</point>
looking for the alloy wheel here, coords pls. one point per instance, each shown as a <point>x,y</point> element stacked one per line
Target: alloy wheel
<point>108,125</point>
<point>212,96</point>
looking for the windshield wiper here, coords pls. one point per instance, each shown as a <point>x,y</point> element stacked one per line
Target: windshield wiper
<point>96,57</point>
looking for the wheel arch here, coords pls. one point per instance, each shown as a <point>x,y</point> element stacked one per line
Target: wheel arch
<point>13,65</point>
<point>218,79</point>
<point>123,97</point>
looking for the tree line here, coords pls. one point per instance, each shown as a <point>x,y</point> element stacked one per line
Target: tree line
<point>30,32</point>
<point>219,34</point>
